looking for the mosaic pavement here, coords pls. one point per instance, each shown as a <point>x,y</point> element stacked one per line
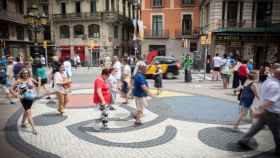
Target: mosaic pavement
<point>175,125</point>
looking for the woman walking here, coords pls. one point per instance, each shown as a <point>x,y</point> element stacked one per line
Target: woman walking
<point>24,89</point>
<point>102,96</point>
<point>236,80</point>
<point>62,85</point>
<point>247,95</point>
<point>113,84</point>
<point>158,78</point>
<point>226,71</point>
<point>243,72</point>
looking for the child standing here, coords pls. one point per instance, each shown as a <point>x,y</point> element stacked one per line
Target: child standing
<point>248,93</point>
<point>158,78</point>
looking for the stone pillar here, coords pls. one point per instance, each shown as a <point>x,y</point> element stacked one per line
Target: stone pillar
<point>226,15</point>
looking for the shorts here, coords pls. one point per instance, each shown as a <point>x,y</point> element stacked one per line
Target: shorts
<point>217,69</point>
<point>27,104</point>
<point>225,76</point>
<point>141,103</point>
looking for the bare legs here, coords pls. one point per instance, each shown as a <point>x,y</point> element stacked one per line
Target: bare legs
<point>27,115</point>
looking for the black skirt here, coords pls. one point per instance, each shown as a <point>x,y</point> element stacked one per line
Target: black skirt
<point>158,81</point>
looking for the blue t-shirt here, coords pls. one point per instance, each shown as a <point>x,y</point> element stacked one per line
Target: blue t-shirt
<point>139,81</point>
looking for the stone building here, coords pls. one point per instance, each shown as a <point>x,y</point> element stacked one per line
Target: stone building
<point>169,24</point>
<point>93,28</point>
<point>15,39</point>
<point>249,29</point>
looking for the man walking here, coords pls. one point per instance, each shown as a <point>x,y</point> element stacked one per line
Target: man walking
<point>269,111</point>
<point>140,92</point>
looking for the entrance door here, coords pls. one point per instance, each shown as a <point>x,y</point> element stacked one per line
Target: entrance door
<point>260,57</point>
<point>95,55</point>
<point>81,51</point>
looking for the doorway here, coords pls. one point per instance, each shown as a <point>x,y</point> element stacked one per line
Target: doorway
<point>260,57</point>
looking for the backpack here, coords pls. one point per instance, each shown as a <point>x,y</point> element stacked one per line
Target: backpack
<point>242,91</point>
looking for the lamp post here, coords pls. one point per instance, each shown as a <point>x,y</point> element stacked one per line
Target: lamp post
<point>36,21</point>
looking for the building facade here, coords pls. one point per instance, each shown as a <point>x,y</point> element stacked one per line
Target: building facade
<point>14,36</point>
<point>249,29</point>
<point>93,28</point>
<point>171,27</point>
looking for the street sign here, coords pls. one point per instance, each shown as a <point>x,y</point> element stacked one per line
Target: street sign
<point>203,40</point>
<point>209,38</point>
<point>45,44</point>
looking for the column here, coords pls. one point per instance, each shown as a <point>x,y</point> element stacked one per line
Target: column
<point>226,16</point>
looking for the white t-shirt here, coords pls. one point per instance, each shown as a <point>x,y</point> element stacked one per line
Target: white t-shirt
<point>118,67</point>
<point>270,91</point>
<point>218,61</point>
<point>58,79</point>
<point>68,68</point>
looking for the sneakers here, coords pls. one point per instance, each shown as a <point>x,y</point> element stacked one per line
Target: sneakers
<point>244,144</point>
<point>34,132</point>
<point>137,123</point>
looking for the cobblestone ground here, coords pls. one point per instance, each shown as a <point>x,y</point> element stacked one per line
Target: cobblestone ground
<point>176,124</point>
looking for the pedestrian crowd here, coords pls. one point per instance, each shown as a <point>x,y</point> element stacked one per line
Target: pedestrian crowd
<point>247,87</point>
<point>26,80</point>
<point>117,79</point>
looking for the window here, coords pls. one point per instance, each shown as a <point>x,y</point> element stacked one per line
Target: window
<point>3,5</point>
<point>20,6</point>
<point>187,24</point>
<point>116,32</point>
<point>20,32</point>
<point>46,9</point>
<point>124,9</point>
<point>107,5</point>
<point>157,27</point>
<point>186,2</point>
<point>157,3</point>
<point>93,6</point>
<point>64,31</point>
<point>264,12</point>
<point>78,6</point>
<point>94,31</point>
<point>113,5</point>
<point>232,14</point>
<point>4,33</point>
<point>47,33</point>
<point>78,31</point>
<point>63,8</point>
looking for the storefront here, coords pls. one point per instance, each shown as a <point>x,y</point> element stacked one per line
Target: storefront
<point>80,50</point>
<point>261,47</point>
<point>65,52</point>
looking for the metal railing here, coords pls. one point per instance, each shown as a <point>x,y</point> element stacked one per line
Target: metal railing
<point>194,33</point>
<point>73,16</point>
<point>156,34</point>
<point>12,16</point>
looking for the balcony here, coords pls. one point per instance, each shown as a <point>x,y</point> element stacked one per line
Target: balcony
<point>187,3</point>
<point>77,17</point>
<point>12,17</point>
<point>110,16</point>
<point>179,34</point>
<point>162,34</point>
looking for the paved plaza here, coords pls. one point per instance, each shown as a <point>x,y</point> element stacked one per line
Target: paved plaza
<point>183,122</point>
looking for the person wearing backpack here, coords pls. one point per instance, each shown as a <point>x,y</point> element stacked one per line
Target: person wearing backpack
<point>247,94</point>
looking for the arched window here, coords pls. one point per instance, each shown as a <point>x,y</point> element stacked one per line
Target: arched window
<point>94,31</point>
<point>64,31</point>
<point>79,31</point>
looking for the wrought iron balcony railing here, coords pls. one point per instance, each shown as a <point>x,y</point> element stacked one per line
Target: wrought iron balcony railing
<point>12,16</point>
<point>156,34</point>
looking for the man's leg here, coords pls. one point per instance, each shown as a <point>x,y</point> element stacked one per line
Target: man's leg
<point>253,131</point>
<point>273,122</point>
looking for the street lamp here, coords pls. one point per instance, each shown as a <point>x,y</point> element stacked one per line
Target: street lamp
<point>36,22</point>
